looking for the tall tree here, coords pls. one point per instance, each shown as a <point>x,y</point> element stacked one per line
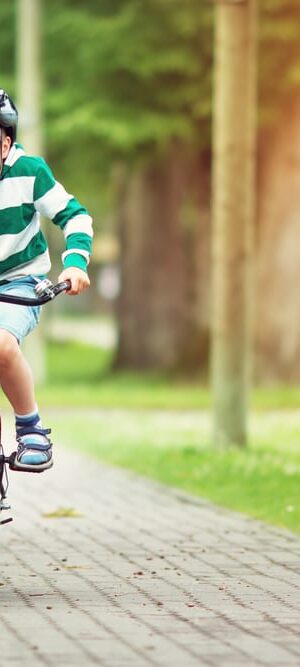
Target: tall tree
<point>130,93</point>
<point>148,115</point>
<point>30,125</point>
<point>233,216</point>
<point>162,235</point>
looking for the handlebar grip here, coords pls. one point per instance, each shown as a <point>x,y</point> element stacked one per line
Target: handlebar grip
<point>65,286</point>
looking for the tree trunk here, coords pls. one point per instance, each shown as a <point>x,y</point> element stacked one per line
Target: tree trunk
<point>233,216</point>
<point>30,131</point>
<point>278,256</point>
<point>160,328</point>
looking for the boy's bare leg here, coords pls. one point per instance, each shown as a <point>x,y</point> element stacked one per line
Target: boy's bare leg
<point>15,375</point>
<point>34,451</point>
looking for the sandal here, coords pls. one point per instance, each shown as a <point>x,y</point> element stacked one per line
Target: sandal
<point>34,452</point>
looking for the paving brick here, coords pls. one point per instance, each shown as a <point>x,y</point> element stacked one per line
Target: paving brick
<point>142,575</point>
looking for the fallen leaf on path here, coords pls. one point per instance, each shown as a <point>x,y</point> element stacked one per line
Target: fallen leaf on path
<point>62,512</point>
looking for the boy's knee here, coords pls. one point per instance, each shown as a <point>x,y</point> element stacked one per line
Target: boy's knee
<point>9,349</point>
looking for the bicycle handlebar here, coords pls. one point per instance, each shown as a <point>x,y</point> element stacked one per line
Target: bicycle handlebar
<point>50,293</point>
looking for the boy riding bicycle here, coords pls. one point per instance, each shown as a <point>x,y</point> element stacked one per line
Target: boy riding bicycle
<point>28,189</point>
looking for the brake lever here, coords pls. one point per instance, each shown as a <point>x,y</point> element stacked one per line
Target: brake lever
<point>45,288</point>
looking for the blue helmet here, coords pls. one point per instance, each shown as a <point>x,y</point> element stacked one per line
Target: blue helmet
<point>8,115</point>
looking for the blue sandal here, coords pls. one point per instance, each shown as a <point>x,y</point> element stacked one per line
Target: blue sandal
<point>34,452</point>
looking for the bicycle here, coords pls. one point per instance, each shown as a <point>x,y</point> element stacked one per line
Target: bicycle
<point>46,292</point>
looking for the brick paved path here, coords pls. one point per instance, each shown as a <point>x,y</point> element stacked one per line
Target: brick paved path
<point>145,577</point>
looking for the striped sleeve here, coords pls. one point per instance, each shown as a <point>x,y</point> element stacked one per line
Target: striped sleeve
<point>52,201</point>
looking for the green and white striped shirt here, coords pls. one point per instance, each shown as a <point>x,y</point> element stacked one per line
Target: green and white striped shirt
<point>28,189</point>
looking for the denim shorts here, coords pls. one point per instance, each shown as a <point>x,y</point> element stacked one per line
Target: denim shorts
<point>19,320</point>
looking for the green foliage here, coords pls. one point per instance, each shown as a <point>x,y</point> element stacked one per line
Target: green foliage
<point>130,74</point>
<point>139,74</point>
<point>7,43</point>
<point>122,78</point>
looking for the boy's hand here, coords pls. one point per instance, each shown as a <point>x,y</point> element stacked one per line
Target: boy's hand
<point>79,280</point>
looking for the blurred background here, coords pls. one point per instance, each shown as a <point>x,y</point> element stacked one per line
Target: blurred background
<point>126,101</point>
<point>120,96</point>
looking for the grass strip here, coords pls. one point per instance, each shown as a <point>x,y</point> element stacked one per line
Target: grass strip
<point>261,481</point>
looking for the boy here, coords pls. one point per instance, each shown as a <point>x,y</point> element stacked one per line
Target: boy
<point>28,189</point>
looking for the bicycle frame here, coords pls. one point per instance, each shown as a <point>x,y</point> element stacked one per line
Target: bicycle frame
<point>46,292</point>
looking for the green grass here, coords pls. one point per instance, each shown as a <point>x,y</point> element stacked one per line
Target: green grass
<point>174,448</point>
<point>79,375</point>
<point>76,362</point>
